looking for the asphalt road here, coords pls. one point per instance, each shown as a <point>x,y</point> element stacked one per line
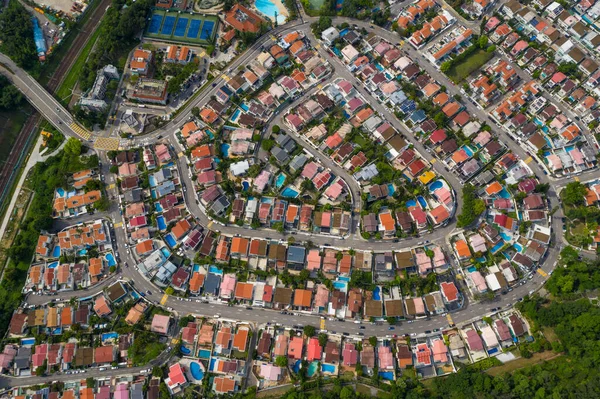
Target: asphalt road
<point>47,106</point>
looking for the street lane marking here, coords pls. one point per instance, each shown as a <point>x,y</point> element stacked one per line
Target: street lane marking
<point>318,46</point>
<point>164,299</point>
<point>320,86</point>
<point>210,224</point>
<point>528,160</point>
<point>433,160</point>
<point>180,155</point>
<point>542,273</point>
<point>80,131</point>
<point>576,178</point>
<point>322,324</point>
<point>111,186</point>
<point>202,54</point>
<point>225,77</point>
<point>106,143</point>
<point>118,224</point>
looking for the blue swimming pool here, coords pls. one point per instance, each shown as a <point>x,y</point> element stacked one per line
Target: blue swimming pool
<point>492,351</point>
<point>204,353</point>
<point>151,181</point>
<point>328,368</point>
<point>468,150</point>
<point>410,203</point>
<point>391,189</point>
<point>505,236</point>
<point>481,259</point>
<point>497,247</point>
<point>83,252</point>
<point>153,194</point>
<point>504,194</point>
<point>377,293</point>
<point>269,9</point>
<point>245,185</point>
<point>296,366</point>
<point>313,367</point>
<point>109,335</point>
<point>28,341</point>
<point>52,265</point>
<point>280,180</point>
<point>160,221</point>
<point>158,207</point>
<point>170,240</point>
<point>135,295</point>
<point>340,285</point>
<point>211,365</point>
<point>215,270</point>
<point>110,259</point>
<point>244,106</point>
<point>379,66</point>
<point>422,201</point>
<point>289,192</point>
<point>518,247</point>
<point>225,150</point>
<point>235,115</point>
<point>435,185</point>
<point>56,251</point>
<point>165,252</point>
<point>472,269</point>
<point>196,371</point>
<point>387,375</point>
<point>185,350</point>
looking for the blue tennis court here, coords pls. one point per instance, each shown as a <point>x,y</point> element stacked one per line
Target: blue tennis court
<point>207,29</point>
<point>194,28</point>
<point>182,24</point>
<point>155,23</point>
<point>168,25</point>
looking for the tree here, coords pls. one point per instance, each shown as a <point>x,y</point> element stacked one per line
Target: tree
<point>10,96</point>
<point>276,129</point>
<point>196,112</point>
<point>73,147</point>
<point>90,382</point>
<point>169,291</point>
<point>157,371</point>
<point>102,205</point>
<point>281,361</point>
<point>322,340</point>
<point>41,370</point>
<point>391,320</point>
<point>309,331</point>
<point>114,169</point>
<point>445,67</point>
<point>574,193</point>
<point>472,207</point>
<point>483,41</point>
<point>267,144</point>
<point>373,341</point>
<point>16,35</point>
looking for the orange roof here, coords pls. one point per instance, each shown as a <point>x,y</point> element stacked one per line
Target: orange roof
<point>208,115</point>
<point>462,248</point>
<point>35,274</point>
<point>229,35</point>
<point>297,46</point>
<point>86,393</point>
<point>189,128</point>
<point>302,298</point>
<point>64,271</point>
<point>441,99</point>
<point>571,132</point>
<point>144,247</point>
<point>224,384</point>
<point>387,221</point>
<point>431,89</point>
<point>66,316</point>
<point>171,53</point>
<point>244,290</point>
<point>142,54</point>
<point>291,37</point>
<point>493,188</point>
<point>135,64</point>
<point>204,150</point>
<point>182,227</point>
<point>240,339</point>
<point>223,336</point>
<point>196,282</point>
<point>239,245</point>
<point>95,267</point>
<point>244,20</point>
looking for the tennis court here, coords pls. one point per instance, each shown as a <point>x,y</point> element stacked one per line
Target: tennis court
<point>182,27</point>
<point>194,29</point>
<point>168,24</point>
<point>155,23</point>
<point>207,30</point>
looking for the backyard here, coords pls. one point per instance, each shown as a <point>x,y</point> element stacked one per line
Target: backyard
<point>462,69</point>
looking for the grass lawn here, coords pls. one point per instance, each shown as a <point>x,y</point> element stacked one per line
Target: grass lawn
<point>522,362</point>
<point>11,123</point>
<point>65,90</point>
<point>472,63</point>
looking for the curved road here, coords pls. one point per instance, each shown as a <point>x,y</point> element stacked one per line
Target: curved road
<point>52,111</point>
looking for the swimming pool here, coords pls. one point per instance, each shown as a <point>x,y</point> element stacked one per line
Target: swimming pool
<point>391,189</point>
<point>504,194</point>
<point>52,265</point>
<point>378,66</point>
<point>60,192</point>
<point>296,366</point>
<point>244,106</point>
<point>160,221</point>
<point>387,375</point>
<point>377,293</point>
<point>313,367</point>
<point>165,252</point>
<point>204,353</point>
<point>211,365</point>
<point>110,259</point>
<point>422,201</point>
<point>472,269</point>
<point>56,251</point>
<point>225,150</point>
<point>109,335</point>
<point>196,371</point>
<point>328,368</point>
<point>215,270</point>
<point>289,192</point>
<point>235,115</point>
<point>245,185</point>
<point>170,240</point>
<point>468,150</point>
<point>27,341</point>
<point>518,247</point>
<point>498,246</point>
<point>340,285</point>
<point>83,252</point>
<point>196,268</point>
<point>435,185</point>
<point>209,134</point>
<point>410,203</point>
<point>280,180</point>
<point>505,236</point>
<point>158,207</point>
<point>481,259</point>
<point>269,9</point>
<point>185,351</point>
<point>153,194</point>
<point>151,181</point>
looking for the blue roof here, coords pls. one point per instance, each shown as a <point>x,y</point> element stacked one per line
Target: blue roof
<point>418,116</point>
<point>296,254</point>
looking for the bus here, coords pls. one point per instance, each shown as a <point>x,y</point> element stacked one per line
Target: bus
<point>450,321</point>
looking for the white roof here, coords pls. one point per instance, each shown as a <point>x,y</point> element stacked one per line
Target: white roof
<point>492,282</point>
<point>489,336</point>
